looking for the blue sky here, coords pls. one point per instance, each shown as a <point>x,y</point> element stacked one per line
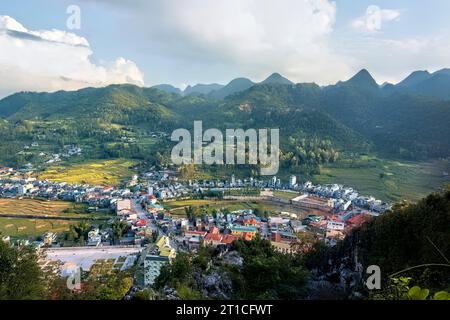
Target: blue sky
<point>200,41</point>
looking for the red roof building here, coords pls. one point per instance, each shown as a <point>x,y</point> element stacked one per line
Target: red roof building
<point>248,236</point>
<point>213,239</point>
<point>229,239</point>
<point>214,230</point>
<point>250,222</point>
<point>357,221</point>
<point>141,223</point>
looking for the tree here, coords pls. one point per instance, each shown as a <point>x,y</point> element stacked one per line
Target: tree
<point>147,294</point>
<point>410,241</point>
<point>191,213</point>
<point>267,273</point>
<point>119,228</point>
<point>21,278</point>
<point>176,273</point>
<point>261,211</point>
<point>79,232</point>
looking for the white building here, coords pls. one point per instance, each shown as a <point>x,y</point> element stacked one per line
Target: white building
<point>292,181</point>
<point>123,207</point>
<point>335,225</point>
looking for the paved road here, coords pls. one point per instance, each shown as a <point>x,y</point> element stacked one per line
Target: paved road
<point>142,214</point>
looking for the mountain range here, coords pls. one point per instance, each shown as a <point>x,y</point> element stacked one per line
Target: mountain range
<point>424,83</point>
<point>218,91</point>
<point>408,120</point>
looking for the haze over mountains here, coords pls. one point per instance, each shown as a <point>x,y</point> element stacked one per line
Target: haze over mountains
<point>218,91</point>
<point>436,84</point>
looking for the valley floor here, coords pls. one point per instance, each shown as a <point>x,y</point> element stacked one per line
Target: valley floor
<point>388,180</point>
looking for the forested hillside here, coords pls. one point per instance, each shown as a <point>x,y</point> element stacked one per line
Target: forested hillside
<point>411,242</point>
<point>317,124</point>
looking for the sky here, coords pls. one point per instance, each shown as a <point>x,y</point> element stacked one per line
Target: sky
<point>49,45</point>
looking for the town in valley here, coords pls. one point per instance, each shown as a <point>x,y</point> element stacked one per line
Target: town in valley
<point>157,207</point>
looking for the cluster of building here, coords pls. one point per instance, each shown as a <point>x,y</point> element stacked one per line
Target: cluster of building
<point>341,198</point>
<point>16,184</point>
<point>68,151</point>
<point>333,211</point>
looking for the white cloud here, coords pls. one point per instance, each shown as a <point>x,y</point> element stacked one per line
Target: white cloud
<point>392,59</point>
<point>374,18</point>
<point>251,37</point>
<point>54,59</point>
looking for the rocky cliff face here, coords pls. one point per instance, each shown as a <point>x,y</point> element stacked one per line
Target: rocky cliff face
<point>216,285</point>
<point>342,277</point>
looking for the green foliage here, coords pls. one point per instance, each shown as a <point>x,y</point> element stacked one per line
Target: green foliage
<point>408,237</point>
<point>79,232</point>
<point>119,228</point>
<point>301,150</point>
<point>113,286</point>
<point>21,278</point>
<point>409,244</point>
<point>191,213</point>
<point>188,293</point>
<point>179,275</point>
<point>416,293</point>
<point>400,289</point>
<point>147,294</point>
<point>318,125</point>
<point>266,273</point>
<point>441,295</point>
<point>249,192</point>
<point>261,211</point>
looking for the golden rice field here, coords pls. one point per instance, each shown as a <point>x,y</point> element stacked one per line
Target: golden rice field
<point>103,172</point>
<point>35,207</point>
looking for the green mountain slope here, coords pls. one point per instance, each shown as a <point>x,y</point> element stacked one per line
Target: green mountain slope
<point>115,104</point>
<point>355,115</point>
<point>234,86</point>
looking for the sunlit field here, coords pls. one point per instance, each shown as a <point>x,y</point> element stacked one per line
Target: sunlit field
<point>103,172</point>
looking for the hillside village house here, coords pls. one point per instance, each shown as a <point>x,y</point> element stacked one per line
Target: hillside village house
<point>246,232</point>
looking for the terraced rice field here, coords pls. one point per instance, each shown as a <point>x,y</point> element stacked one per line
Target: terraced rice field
<point>104,172</point>
<point>34,207</point>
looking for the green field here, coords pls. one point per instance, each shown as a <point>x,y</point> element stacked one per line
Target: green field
<point>24,226</point>
<point>177,207</point>
<point>102,172</point>
<point>386,179</point>
<point>31,228</point>
<point>285,195</point>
